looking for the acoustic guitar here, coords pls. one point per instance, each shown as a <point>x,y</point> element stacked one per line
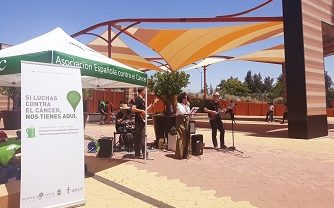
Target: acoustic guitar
<point>142,114</point>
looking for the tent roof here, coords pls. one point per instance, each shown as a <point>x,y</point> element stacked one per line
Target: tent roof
<point>121,52</point>
<point>58,42</point>
<point>181,47</point>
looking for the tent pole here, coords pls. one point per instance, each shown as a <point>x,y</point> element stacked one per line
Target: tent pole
<point>145,152</point>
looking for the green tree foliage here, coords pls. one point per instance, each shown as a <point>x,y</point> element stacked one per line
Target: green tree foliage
<point>278,89</point>
<point>254,82</point>
<point>168,84</point>
<point>14,93</point>
<point>233,86</point>
<point>258,85</point>
<point>249,81</point>
<point>329,90</point>
<point>267,84</point>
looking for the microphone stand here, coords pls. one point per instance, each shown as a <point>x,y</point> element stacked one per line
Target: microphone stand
<point>233,147</point>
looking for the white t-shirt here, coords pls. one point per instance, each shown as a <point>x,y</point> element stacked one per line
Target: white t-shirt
<point>272,108</point>
<point>182,109</point>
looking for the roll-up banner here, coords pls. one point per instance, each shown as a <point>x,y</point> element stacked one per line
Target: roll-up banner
<point>52,164</point>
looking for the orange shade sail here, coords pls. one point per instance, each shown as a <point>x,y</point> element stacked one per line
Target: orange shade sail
<point>121,52</point>
<point>274,55</point>
<point>181,47</point>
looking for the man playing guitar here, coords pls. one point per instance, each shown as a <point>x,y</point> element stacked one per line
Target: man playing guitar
<point>139,109</point>
<point>214,113</point>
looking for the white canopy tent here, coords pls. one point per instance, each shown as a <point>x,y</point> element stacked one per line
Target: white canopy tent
<point>57,47</point>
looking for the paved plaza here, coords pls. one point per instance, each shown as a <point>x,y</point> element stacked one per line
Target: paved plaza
<point>273,172</point>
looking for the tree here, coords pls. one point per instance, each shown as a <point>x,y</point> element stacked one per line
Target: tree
<point>233,86</point>
<point>167,85</point>
<point>249,81</point>
<point>258,86</point>
<point>328,82</point>
<point>267,84</point>
<point>254,82</point>
<point>329,89</point>
<point>14,93</point>
<point>220,85</point>
<point>278,89</point>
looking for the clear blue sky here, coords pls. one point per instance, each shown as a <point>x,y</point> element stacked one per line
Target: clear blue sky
<point>23,20</point>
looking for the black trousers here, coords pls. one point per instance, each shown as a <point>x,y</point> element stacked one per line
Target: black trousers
<point>285,116</point>
<point>217,124</point>
<point>139,143</point>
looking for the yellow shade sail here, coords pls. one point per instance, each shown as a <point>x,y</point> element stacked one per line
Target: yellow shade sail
<point>121,52</point>
<point>273,55</point>
<point>181,47</point>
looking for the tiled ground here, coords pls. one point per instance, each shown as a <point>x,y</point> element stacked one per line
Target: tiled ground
<point>272,172</point>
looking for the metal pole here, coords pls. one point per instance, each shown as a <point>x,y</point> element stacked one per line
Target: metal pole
<point>204,90</point>
<point>109,41</point>
<point>145,152</point>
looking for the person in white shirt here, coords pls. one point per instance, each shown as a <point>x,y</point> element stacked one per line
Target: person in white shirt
<point>270,113</point>
<point>183,148</point>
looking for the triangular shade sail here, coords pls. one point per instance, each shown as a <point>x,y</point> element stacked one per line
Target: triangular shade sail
<point>206,62</point>
<point>274,55</point>
<point>57,47</point>
<point>181,47</point>
<point>121,52</point>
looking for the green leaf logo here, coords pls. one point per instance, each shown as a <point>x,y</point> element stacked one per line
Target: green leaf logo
<point>73,97</point>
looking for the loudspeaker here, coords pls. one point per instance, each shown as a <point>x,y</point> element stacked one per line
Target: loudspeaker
<point>105,148</point>
<point>192,127</point>
<point>197,144</point>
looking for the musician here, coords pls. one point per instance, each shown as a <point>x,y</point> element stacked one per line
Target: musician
<point>183,148</point>
<point>124,124</point>
<point>139,109</point>
<point>214,114</point>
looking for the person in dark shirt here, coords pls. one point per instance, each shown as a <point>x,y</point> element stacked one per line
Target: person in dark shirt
<point>139,109</point>
<point>214,113</point>
<point>124,125</point>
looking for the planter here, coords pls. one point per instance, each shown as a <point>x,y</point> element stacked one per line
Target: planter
<point>12,119</point>
<point>162,125</point>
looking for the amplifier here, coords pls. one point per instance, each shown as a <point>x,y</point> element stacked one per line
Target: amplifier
<point>197,144</point>
<point>105,147</point>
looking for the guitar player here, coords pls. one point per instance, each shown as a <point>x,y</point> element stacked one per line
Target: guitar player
<point>214,113</point>
<point>139,109</point>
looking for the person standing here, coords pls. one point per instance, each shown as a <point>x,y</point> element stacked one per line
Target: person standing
<point>216,123</point>
<point>271,112</point>
<point>102,109</point>
<point>183,148</point>
<point>139,109</point>
<point>285,114</point>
